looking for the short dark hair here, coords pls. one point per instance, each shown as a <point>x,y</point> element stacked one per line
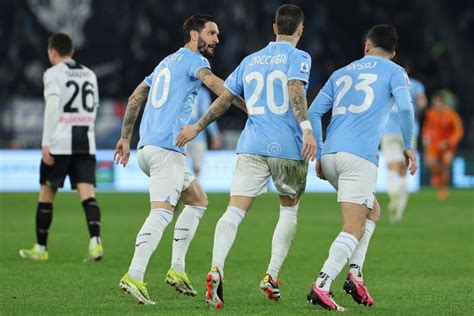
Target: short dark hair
<point>383,36</point>
<point>195,23</point>
<point>288,17</point>
<point>62,43</point>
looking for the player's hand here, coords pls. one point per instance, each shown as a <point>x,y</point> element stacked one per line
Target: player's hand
<point>319,170</point>
<point>410,160</point>
<point>187,134</point>
<point>122,152</point>
<point>46,156</point>
<point>216,143</point>
<point>309,145</point>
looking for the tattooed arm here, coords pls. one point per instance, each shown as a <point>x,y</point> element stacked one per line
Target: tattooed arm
<point>216,110</point>
<point>298,100</point>
<point>135,102</point>
<point>300,109</point>
<point>216,85</point>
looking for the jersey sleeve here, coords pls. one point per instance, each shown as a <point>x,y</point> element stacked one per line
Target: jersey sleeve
<point>299,66</point>
<point>96,92</point>
<point>407,116</point>
<point>234,82</point>
<point>458,130</point>
<point>321,104</point>
<point>149,79</point>
<point>197,63</point>
<point>399,80</point>
<point>417,87</point>
<point>51,86</point>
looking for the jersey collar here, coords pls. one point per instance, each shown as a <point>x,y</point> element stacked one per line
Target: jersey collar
<point>280,42</point>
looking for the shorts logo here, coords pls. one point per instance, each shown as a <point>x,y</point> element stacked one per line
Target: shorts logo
<point>168,199</point>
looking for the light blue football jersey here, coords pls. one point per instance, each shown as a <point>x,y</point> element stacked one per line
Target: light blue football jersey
<point>361,96</point>
<point>262,77</point>
<point>200,106</point>
<point>393,123</point>
<point>173,90</point>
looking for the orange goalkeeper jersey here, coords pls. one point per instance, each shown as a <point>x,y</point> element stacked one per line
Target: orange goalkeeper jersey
<point>440,126</point>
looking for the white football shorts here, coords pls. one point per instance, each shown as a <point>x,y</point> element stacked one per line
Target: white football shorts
<point>392,148</point>
<point>196,151</point>
<point>353,177</point>
<point>253,172</point>
<point>167,172</point>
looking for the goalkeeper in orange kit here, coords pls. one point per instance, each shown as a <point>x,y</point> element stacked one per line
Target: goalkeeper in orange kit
<point>442,131</point>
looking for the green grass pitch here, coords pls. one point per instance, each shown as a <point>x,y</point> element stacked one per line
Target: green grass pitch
<point>424,266</point>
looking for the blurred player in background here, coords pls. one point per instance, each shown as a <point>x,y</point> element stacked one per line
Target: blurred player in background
<point>68,145</point>
<point>169,93</point>
<point>359,96</point>
<point>392,147</point>
<point>198,147</point>
<point>275,143</point>
<point>442,131</point>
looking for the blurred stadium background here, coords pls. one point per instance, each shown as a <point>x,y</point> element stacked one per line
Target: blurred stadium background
<point>423,266</point>
<point>122,41</point>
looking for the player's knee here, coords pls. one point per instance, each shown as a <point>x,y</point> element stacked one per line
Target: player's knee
<point>374,215</point>
<point>202,201</point>
<point>86,191</point>
<point>288,201</point>
<point>47,194</point>
<point>355,230</point>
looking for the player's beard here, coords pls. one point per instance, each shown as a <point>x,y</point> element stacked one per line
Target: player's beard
<point>204,49</point>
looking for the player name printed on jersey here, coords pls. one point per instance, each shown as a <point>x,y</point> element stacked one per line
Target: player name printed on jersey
<point>262,78</point>
<point>268,59</point>
<point>76,87</point>
<point>361,66</point>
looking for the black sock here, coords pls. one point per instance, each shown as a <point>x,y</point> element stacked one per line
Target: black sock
<point>44,216</point>
<point>92,210</point>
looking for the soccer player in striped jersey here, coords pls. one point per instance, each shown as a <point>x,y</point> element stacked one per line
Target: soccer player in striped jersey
<point>68,145</point>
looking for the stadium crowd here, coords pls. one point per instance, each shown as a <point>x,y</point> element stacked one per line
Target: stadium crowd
<point>122,40</point>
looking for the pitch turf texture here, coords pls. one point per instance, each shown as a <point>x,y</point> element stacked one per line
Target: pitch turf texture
<point>424,266</point>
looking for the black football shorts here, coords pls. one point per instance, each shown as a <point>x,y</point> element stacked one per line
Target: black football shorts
<point>79,167</point>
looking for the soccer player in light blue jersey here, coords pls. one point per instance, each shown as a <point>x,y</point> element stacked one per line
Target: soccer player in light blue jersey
<point>360,96</point>
<point>392,148</point>
<point>198,147</point>
<point>275,143</point>
<point>169,93</point>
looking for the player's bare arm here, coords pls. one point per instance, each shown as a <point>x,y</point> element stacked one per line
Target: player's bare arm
<point>216,85</point>
<point>216,110</point>
<point>300,109</point>
<point>135,102</point>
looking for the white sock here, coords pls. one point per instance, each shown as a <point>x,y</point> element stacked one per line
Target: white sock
<point>393,185</point>
<point>147,240</point>
<point>358,256</point>
<point>226,231</point>
<point>282,238</point>
<point>402,198</point>
<point>184,230</point>
<point>94,241</point>
<point>339,253</point>
<point>40,248</point>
